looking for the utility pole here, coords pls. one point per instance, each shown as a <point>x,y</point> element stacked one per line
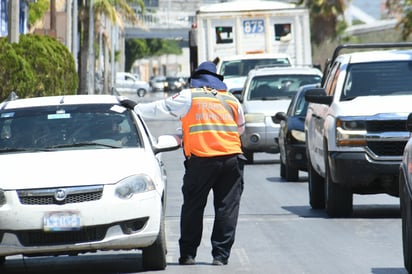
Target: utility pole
<point>13,26</point>
<point>91,52</point>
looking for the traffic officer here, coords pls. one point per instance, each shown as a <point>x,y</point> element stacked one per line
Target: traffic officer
<point>212,122</point>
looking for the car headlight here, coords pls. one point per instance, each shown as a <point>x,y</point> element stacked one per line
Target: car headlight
<point>298,135</point>
<point>135,184</point>
<point>254,118</point>
<point>350,133</point>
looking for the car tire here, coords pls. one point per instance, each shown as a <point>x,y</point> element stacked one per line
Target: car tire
<point>291,172</point>
<point>339,199</point>
<point>406,215</point>
<point>282,169</point>
<point>154,256</point>
<point>316,184</point>
<point>141,92</point>
<point>2,260</point>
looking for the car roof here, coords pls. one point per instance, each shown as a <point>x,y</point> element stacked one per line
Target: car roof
<point>59,100</point>
<point>254,56</point>
<point>376,56</point>
<point>271,70</point>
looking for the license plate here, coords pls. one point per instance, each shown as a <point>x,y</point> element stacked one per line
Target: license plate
<point>61,221</point>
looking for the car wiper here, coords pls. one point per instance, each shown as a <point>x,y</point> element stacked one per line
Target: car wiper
<point>82,144</point>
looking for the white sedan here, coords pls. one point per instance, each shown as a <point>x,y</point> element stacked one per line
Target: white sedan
<point>80,173</point>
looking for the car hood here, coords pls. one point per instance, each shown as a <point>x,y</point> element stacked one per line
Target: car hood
<point>268,107</point>
<point>373,105</point>
<point>74,167</point>
<point>235,82</point>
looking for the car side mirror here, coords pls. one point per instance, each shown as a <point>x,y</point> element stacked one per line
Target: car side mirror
<point>318,96</point>
<point>278,117</point>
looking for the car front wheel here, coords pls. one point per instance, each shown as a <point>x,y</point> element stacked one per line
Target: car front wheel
<point>406,214</point>
<point>339,199</point>
<point>141,92</point>
<point>316,188</point>
<point>154,256</point>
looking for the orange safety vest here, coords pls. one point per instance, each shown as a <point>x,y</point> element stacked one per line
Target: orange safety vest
<point>209,128</point>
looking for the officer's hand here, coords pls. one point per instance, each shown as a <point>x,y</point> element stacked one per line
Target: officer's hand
<point>127,103</point>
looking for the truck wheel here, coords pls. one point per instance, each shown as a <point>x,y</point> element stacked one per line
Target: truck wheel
<point>339,201</point>
<point>154,256</point>
<point>406,213</point>
<point>316,188</point>
<point>141,92</point>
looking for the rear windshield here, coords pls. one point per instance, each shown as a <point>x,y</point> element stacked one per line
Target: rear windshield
<point>274,87</point>
<point>378,78</point>
<point>237,68</point>
<point>67,127</point>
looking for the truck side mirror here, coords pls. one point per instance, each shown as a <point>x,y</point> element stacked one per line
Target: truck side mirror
<point>319,96</point>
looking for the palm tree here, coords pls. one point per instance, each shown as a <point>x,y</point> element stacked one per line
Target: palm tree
<point>108,13</point>
<point>324,18</point>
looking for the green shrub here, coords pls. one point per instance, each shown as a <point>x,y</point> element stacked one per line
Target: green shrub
<point>36,66</point>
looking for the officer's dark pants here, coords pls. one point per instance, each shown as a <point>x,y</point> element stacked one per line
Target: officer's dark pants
<point>224,175</point>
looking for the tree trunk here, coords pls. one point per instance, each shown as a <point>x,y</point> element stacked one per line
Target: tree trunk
<point>84,50</point>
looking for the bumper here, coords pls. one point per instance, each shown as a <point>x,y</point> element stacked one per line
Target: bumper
<point>363,175</point>
<point>106,224</point>
<point>260,138</point>
<point>296,156</point>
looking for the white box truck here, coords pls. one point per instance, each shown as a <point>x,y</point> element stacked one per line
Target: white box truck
<point>258,30</point>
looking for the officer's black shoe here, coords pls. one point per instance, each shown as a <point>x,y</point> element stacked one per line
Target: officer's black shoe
<point>187,260</point>
<point>217,261</point>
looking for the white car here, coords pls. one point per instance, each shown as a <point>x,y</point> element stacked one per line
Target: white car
<point>235,68</point>
<point>80,173</point>
<point>269,90</point>
<point>129,83</point>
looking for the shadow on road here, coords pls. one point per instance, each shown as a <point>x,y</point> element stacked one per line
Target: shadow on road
<point>82,264</point>
<point>365,211</point>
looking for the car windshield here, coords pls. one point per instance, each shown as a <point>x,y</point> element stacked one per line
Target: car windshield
<point>238,68</point>
<point>275,87</point>
<point>378,78</point>
<point>67,127</point>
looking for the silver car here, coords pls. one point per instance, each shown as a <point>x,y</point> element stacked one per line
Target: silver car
<point>267,91</point>
<point>129,83</point>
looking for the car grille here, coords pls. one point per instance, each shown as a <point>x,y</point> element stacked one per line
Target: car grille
<point>386,148</point>
<point>84,235</point>
<point>63,195</point>
<point>387,125</point>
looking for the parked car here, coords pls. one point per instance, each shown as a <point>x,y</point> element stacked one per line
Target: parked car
<point>292,145</point>
<point>158,83</point>
<point>174,84</point>
<point>405,195</point>
<point>127,82</point>
<point>80,173</point>
<point>267,91</point>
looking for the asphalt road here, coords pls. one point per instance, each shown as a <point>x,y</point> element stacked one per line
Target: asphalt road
<point>277,232</point>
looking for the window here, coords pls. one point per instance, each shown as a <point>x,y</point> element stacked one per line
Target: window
<point>283,32</point>
<point>224,35</point>
<point>378,78</point>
